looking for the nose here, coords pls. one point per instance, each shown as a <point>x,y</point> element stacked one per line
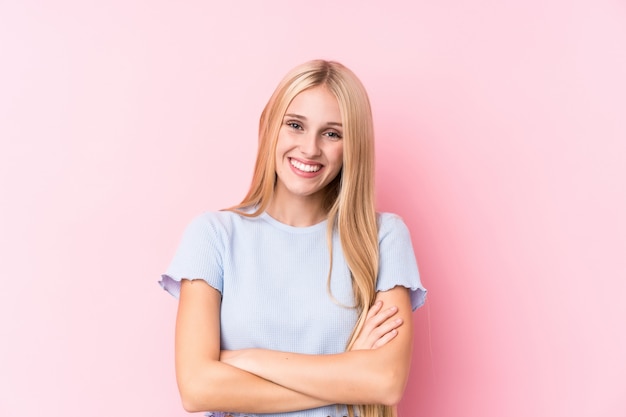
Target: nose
<point>309,145</point>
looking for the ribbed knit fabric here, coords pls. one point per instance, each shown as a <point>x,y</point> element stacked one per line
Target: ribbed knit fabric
<point>273,279</point>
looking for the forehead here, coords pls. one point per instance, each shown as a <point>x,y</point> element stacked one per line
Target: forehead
<point>316,103</point>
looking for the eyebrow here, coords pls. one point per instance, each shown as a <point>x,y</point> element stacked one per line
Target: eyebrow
<point>299,116</point>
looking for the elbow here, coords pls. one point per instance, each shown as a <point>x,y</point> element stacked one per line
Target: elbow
<point>393,398</point>
<point>390,386</point>
<point>189,397</point>
<point>392,393</point>
<point>194,394</point>
<point>200,386</point>
<point>190,406</point>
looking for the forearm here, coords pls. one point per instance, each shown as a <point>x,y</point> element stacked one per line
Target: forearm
<point>357,377</point>
<point>205,383</point>
<point>221,387</point>
<point>370,376</point>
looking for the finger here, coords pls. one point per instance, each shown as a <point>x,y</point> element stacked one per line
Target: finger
<point>372,329</point>
<point>385,339</point>
<point>374,309</point>
<point>390,325</point>
<point>382,331</point>
<point>371,314</point>
<point>382,316</point>
<point>386,327</point>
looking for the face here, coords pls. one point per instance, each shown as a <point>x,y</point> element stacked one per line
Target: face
<point>309,151</point>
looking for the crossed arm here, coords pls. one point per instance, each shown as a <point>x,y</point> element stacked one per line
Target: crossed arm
<point>264,381</point>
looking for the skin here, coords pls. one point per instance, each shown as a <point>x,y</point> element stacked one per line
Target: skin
<point>208,382</point>
<point>374,376</point>
<point>310,135</point>
<point>374,371</point>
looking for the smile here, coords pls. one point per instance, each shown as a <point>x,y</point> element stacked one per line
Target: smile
<point>304,167</point>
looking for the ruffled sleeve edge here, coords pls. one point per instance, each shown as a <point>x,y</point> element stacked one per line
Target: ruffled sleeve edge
<point>416,293</point>
<point>171,284</point>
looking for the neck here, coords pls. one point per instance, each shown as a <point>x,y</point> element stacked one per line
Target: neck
<point>300,212</point>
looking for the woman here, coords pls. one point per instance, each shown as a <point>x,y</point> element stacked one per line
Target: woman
<point>299,299</point>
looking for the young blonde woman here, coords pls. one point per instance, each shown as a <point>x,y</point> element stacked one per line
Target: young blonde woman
<point>298,301</point>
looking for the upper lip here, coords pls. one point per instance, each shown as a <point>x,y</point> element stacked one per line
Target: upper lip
<point>306,162</point>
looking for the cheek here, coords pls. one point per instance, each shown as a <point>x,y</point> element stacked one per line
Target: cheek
<point>339,155</point>
<point>283,143</point>
<point>280,147</point>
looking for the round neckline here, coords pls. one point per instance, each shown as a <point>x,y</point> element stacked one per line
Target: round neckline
<point>293,229</point>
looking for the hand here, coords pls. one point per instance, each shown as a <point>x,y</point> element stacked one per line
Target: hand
<point>380,327</point>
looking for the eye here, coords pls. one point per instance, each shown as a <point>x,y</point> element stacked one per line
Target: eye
<point>333,135</point>
<point>294,125</point>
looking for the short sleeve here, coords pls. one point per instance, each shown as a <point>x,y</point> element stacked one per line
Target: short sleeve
<point>397,264</point>
<point>198,257</point>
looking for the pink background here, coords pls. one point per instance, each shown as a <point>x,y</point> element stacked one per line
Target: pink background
<point>501,141</point>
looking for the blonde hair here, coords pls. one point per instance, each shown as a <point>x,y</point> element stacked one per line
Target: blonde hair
<point>349,199</point>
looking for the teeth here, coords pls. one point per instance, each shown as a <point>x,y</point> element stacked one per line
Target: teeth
<point>305,167</point>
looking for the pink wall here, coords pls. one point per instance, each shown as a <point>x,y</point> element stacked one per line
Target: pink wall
<point>501,141</point>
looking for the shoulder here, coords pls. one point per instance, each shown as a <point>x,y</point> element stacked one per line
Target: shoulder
<point>222,220</point>
<point>390,224</point>
<point>388,218</point>
<point>216,225</point>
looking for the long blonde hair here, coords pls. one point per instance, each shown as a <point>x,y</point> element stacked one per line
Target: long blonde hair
<point>349,198</point>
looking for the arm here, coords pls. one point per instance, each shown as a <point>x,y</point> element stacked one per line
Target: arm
<point>376,376</point>
<point>204,382</point>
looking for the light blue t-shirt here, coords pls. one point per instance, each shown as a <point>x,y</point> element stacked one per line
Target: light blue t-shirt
<point>273,281</point>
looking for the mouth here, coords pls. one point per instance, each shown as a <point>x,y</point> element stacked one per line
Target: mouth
<point>301,166</point>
